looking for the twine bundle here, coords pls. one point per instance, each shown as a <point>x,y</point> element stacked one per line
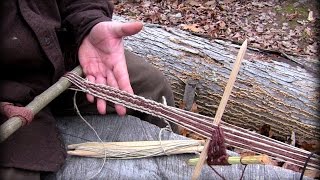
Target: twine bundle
<point>135,149</point>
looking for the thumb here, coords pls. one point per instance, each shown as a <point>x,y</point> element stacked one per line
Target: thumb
<point>127,29</point>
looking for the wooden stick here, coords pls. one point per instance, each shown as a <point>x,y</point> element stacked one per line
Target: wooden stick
<point>39,102</point>
<point>260,159</point>
<point>222,105</point>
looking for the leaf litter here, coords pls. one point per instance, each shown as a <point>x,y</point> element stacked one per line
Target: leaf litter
<point>287,26</point>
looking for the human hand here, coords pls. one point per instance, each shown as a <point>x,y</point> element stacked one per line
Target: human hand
<point>101,56</point>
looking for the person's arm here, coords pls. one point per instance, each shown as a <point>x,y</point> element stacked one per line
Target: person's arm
<point>101,51</point>
<point>79,16</point>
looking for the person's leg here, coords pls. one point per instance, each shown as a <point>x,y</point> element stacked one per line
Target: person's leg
<point>149,82</point>
<point>18,174</point>
<point>34,148</point>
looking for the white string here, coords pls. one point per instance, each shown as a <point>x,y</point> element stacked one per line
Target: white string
<point>164,101</point>
<point>129,154</point>
<point>122,153</point>
<point>168,127</point>
<point>105,152</point>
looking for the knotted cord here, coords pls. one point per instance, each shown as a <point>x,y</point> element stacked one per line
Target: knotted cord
<point>200,124</point>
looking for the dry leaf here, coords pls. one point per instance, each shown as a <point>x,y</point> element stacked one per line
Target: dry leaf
<point>259,29</point>
<point>222,25</point>
<point>310,16</point>
<point>193,27</point>
<point>236,35</point>
<point>313,146</point>
<point>210,3</point>
<point>292,167</point>
<point>194,108</point>
<point>315,174</point>
<point>292,16</point>
<point>265,130</point>
<point>308,31</point>
<point>194,3</point>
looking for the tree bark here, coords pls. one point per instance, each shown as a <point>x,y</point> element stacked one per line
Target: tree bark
<point>270,89</point>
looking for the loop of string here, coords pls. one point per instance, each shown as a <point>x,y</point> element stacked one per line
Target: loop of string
<point>10,110</point>
<point>168,127</point>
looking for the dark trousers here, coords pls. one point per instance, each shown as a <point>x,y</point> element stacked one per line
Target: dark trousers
<point>18,174</point>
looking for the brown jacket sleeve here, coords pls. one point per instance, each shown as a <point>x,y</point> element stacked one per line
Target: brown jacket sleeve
<point>79,16</point>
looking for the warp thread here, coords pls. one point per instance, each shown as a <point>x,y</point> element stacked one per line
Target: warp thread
<point>10,110</point>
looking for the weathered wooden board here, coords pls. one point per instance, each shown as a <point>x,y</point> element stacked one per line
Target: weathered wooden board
<point>269,89</point>
<point>128,128</point>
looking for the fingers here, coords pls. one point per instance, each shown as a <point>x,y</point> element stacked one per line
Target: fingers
<point>92,79</point>
<point>121,75</point>
<point>111,81</point>
<point>101,104</point>
<point>126,29</point>
<point>117,77</point>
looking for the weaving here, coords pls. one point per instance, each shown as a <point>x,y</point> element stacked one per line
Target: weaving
<point>234,136</point>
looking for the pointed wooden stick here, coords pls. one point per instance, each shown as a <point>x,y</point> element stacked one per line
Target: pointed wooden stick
<point>39,102</point>
<point>222,105</point>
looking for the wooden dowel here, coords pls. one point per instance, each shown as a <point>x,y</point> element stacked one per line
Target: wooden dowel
<point>260,159</point>
<point>222,105</point>
<point>13,124</point>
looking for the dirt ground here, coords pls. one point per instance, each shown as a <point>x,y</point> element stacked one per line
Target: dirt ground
<point>286,26</point>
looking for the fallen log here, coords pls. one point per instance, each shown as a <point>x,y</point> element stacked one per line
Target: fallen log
<point>281,92</point>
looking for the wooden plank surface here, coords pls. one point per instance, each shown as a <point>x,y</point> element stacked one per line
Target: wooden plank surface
<point>128,128</point>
